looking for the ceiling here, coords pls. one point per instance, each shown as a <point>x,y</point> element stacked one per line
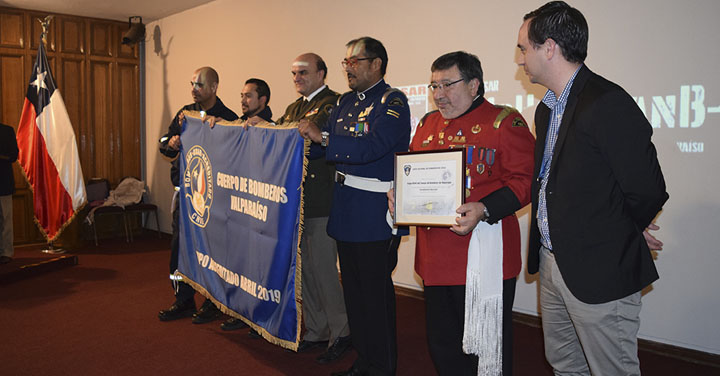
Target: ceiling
<point>149,10</point>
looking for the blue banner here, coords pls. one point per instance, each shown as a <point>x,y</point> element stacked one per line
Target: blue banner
<point>240,214</point>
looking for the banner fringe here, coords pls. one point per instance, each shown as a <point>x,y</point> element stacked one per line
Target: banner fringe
<point>37,222</point>
<point>264,333</point>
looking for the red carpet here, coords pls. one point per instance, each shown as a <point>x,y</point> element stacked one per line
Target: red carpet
<point>100,317</point>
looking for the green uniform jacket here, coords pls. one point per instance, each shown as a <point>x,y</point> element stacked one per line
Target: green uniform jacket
<point>320,174</point>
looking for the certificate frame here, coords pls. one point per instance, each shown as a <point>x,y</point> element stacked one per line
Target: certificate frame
<point>431,195</point>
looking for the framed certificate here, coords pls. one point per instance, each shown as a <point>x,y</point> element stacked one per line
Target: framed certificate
<point>429,187</point>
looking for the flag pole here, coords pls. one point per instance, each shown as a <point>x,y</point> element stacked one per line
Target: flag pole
<point>45,25</point>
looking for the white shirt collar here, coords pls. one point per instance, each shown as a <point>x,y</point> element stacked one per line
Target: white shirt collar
<point>314,93</point>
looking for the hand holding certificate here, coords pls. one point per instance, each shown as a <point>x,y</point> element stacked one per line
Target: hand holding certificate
<point>429,187</point>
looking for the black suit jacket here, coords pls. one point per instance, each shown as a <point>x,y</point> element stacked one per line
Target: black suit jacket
<point>604,188</point>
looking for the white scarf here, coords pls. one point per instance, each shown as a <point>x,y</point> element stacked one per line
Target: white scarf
<point>483,298</point>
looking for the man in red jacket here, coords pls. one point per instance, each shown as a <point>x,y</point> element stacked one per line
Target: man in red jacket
<point>499,166</point>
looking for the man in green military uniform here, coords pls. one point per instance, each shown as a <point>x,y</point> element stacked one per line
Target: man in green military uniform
<point>323,304</point>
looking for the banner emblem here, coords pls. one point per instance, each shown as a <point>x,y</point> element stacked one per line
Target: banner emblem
<point>198,185</point>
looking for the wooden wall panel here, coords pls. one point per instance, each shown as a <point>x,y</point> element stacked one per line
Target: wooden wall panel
<point>13,90</point>
<point>129,112</point>
<point>12,28</point>
<point>99,81</point>
<point>101,34</point>
<point>72,35</point>
<point>100,98</point>
<point>24,229</point>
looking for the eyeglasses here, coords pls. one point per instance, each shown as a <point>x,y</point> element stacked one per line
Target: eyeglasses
<point>435,87</point>
<point>353,61</point>
<point>196,85</point>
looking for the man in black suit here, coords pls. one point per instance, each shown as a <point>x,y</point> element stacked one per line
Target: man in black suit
<point>597,187</point>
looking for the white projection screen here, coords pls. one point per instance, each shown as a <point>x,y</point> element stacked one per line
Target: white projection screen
<point>665,53</point>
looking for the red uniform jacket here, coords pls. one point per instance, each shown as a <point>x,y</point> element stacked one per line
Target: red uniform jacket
<point>500,169</point>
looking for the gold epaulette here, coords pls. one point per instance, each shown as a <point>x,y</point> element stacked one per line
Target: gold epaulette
<point>506,111</point>
<point>422,121</point>
<point>341,97</point>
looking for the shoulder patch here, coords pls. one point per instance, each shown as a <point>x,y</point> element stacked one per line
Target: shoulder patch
<point>399,100</point>
<point>519,122</point>
<point>396,102</point>
<point>328,108</point>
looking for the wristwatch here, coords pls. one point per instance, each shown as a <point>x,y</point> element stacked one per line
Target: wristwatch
<point>324,139</point>
<point>486,213</point>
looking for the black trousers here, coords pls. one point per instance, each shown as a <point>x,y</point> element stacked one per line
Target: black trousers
<point>370,302</point>
<point>445,318</point>
<point>183,291</point>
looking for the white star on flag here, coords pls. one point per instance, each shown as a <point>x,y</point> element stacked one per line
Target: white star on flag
<point>39,81</point>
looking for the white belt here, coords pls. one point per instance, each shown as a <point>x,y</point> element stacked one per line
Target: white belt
<point>367,184</point>
<point>362,183</point>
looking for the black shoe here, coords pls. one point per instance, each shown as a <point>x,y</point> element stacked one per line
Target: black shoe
<point>254,334</point>
<point>5,259</point>
<point>338,348</point>
<point>233,324</point>
<point>309,345</point>
<point>207,313</point>
<point>178,310</point>
<point>353,371</point>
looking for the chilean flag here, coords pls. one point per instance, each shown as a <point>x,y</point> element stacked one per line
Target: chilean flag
<point>48,152</point>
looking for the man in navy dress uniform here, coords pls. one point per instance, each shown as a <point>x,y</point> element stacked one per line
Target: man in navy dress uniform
<point>368,126</point>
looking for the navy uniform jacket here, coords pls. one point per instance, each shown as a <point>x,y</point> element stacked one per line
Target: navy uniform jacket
<point>320,173</point>
<point>604,187</point>
<point>364,136</point>
<point>175,128</point>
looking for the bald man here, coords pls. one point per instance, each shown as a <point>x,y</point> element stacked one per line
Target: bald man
<point>204,86</point>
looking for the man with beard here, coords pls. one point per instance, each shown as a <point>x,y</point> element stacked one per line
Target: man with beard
<point>204,86</point>
<point>365,130</point>
<point>255,101</point>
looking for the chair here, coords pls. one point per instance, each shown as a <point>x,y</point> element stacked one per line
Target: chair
<point>142,207</point>
<point>98,190</point>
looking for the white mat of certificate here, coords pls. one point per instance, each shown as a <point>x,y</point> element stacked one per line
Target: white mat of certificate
<point>428,187</point>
